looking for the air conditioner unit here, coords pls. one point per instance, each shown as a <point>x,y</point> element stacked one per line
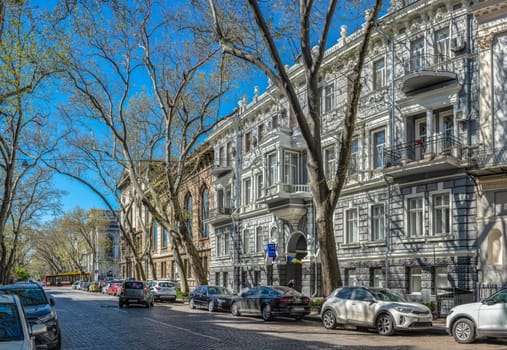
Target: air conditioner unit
<point>457,44</point>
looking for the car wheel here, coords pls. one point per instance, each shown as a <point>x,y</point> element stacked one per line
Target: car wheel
<point>329,319</point>
<point>266,312</point>
<point>191,303</point>
<point>235,309</point>
<point>211,306</point>
<point>463,331</point>
<point>385,325</point>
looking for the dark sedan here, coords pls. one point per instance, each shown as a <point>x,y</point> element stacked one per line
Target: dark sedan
<point>271,301</point>
<point>211,297</point>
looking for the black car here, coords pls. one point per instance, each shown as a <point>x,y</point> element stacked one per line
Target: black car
<point>39,308</point>
<point>211,298</point>
<point>270,301</point>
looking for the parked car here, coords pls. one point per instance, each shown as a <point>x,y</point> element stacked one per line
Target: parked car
<point>211,297</point>
<point>382,309</point>
<point>487,318</point>
<point>114,287</point>
<point>270,301</point>
<point>94,287</point>
<point>39,308</point>
<point>84,285</point>
<point>163,290</point>
<point>76,285</point>
<point>135,292</point>
<point>104,286</point>
<point>15,331</point>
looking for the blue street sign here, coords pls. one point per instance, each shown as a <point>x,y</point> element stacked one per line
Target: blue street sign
<point>271,250</point>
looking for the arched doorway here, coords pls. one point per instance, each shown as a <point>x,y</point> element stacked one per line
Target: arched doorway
<point>296,252</point>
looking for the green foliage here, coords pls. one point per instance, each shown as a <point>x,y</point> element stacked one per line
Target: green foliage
<point>431,305</point>
<point>180,295</point>
<point>316,303</point>
<point>21,274</point>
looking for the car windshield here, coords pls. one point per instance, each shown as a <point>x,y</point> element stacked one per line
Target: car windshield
<point>219,290</point>
<point>10,325</point>
<point>134,285</point>
<point>29,296</point>
<point>388,295</point>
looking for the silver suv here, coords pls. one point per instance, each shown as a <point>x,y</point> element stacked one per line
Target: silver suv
<point>163,290</point>
<point>383,309</point>
<point>135,292</point>
<point>487,318</point>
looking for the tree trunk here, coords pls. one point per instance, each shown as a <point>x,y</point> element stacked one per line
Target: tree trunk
<point>331,276</point>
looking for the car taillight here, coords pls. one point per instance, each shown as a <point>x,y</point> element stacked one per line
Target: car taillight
<point>157,288</point>
<point>286,299</point>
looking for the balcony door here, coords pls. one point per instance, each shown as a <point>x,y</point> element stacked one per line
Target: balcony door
<point>420,138</point>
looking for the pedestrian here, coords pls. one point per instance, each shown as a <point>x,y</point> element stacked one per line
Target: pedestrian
<point>291,284</point>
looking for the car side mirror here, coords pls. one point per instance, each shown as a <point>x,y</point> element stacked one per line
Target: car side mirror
<point>52,301</point>
<point>489,302</point>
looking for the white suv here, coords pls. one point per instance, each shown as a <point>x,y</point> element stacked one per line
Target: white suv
<point>487,318</point>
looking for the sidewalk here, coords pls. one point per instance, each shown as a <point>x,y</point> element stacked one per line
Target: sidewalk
<point>438,324</point>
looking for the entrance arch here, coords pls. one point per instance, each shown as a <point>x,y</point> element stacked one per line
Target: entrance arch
<point>297,249</point>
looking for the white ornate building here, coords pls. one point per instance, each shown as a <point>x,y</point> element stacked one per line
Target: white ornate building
<point>423,209</point>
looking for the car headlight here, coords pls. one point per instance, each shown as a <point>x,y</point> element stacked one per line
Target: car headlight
<point>47,317</point>
<point>403,310</point>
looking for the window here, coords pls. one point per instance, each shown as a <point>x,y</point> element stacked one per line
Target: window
<point>354,161</point>
<point>221,156</point>
<point>330,162</point>
<point>379,141</point>
<point>328,98</point>
<point>226,243</point>
<point>291,167</point>
<point>442,45</point>
<point>258,239</point>
<point>218,245</point>
<point>225,280</point>
<point>204,212</point>
<point>376,277</point>
<point>165,238</point>
<point>247,190</point>
<point>274,121</point>
<point>257,277</point>
<point>415,217</point>
<point>415,280</point>
<point>217,278</point>
<point>246,241</point>
<point>259,186</point>
<point>417,55</point>
<point>379,74</point>
<point>248,141</point>
<point>377,222</point>
<point>271,169</point>
<point>441,214</point>
<point>351,226</point>
<point>155,234</point>
<point>260,132</point>
<point>440,280</point>
<point>188,208</point>
<point>350,277</point>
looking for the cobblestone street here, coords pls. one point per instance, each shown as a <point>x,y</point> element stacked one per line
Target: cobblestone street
<point>94,321</point>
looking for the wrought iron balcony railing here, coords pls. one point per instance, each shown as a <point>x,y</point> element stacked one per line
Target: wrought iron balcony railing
<point>418,149</point>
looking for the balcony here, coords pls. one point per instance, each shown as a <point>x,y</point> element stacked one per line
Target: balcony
<point>426,72</point>
<point>490,166</point>
<point>433,154</point>
<point>221,168</point>
<point>220,215</point>
<point>287,201</point>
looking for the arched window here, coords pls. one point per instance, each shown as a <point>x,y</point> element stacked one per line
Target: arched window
<point>188,208</point>
<point>204,212</point>
<point>495,251</point>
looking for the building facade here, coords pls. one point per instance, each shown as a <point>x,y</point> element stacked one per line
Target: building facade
<point>151,237</point>
<point>420,212</point>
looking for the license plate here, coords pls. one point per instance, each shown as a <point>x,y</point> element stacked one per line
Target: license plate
<point>298,309</point>
<point>133,300</point>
